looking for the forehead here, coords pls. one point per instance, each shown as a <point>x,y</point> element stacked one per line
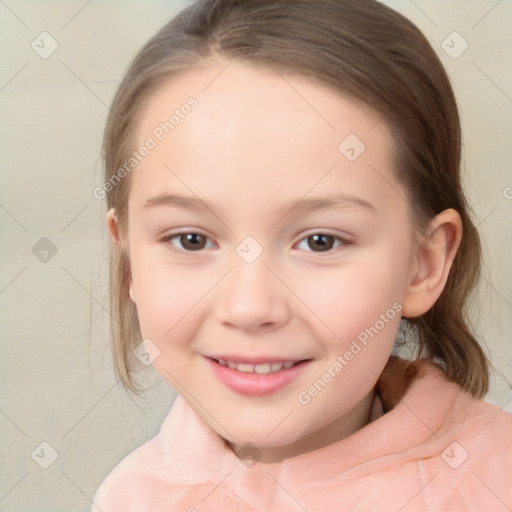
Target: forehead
<point>255,126</point>
<point>245,98</point>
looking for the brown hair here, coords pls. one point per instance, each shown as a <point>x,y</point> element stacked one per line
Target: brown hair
<point>361,49</point>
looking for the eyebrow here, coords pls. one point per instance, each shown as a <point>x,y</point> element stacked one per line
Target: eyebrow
<point>197,204</point>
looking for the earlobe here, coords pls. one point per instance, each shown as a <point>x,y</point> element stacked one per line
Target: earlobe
<point>434,258</point>
<point>113,229</point>
<point>113,226</point>
<point>130,291</point>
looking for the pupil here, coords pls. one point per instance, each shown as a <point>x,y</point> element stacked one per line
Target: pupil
<point>192,241</point>
<point>320,243</point>
<point>323,242</point>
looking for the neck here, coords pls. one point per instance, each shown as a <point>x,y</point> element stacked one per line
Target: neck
<point>340,428</point>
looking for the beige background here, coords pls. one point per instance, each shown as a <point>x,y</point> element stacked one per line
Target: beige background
<point>56,377</point>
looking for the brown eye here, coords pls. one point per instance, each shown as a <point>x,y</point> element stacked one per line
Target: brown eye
<point>187,242</point>
<point>320,243</point>
<point>192,241</point>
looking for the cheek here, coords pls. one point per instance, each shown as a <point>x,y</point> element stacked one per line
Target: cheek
<point>349,301</point>
<point>362,306</point>
<point>167,298</point>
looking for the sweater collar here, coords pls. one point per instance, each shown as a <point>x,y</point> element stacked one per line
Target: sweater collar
<point>412,402</point>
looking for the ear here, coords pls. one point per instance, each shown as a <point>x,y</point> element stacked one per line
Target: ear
<point>434,258</point>
<point>113,229</point>
<point>112,226</point>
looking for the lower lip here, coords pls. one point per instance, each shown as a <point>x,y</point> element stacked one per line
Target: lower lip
<point>256,384</point>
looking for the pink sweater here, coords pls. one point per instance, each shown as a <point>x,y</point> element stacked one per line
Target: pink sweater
<point>436,449</point>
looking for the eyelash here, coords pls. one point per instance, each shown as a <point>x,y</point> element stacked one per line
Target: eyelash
<point>343,241</point>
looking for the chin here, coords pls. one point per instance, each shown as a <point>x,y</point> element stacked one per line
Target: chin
<point>264,434</point>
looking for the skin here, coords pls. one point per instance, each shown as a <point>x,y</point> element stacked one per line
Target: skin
<point>252,146</point>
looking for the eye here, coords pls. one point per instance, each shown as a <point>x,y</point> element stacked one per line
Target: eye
<point>187,241</point>
<point>192,241</point>
<point>321,242</point>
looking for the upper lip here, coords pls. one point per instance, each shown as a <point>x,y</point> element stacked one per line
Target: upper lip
<point>245,359</point>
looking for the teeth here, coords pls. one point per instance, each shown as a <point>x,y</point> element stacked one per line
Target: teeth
<point>246,368</point>
<point>276,367</point>
<point>262,368</point>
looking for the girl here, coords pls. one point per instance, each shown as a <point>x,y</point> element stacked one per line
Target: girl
<point>283,191</point>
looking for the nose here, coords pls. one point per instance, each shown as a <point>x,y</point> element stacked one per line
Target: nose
<point>252,298</point>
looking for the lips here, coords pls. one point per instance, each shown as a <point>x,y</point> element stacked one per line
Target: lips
<point>258,376</point>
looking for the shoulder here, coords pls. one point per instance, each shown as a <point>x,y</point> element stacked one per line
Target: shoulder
<point>479,431</point>
<point>129,478</point>
<point>465,454</point>
<point>487,433</point>
<point>475,458</point>
<point>158,473</point>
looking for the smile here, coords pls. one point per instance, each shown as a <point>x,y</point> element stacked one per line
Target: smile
<point>257,368</point>
<point>258,377</point>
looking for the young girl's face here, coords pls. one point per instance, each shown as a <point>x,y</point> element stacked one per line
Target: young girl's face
<point>266,227</point>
